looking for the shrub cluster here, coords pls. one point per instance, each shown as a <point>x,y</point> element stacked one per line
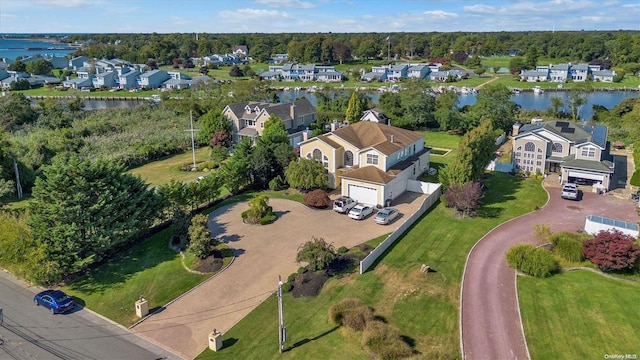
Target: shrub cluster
<point>352,313</point>
<point>380,339</point>
<point>385,341</point>
<point>568,245</point>
<point>531,260</point>
<point>317,198</point>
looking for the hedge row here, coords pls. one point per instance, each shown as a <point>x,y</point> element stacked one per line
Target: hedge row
<point>568,245</point>
<point>635,178</point>
<point>532,261</point>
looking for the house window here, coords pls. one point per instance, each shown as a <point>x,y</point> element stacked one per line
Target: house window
<point>539,150</point>
<point>519,148</point>
<point>250,123</point>
<point>556,147</point>
<point>588,152</point>
<point>538,163</point>
<point>414,148</point>
<point>261,125</point>
<point>529,146</point>
<point>317,155</point>
<point>308,155</point>
<point>372,159</point>
<point>325,161</point>
<point>348,158</point>
<point>539,156</point>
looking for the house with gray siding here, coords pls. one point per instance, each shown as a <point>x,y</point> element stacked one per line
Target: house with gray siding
<point>128,80</point>
<point>77,62</point>
<point>153,79</point>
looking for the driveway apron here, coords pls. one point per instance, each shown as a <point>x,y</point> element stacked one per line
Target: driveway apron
<point>491,325</point>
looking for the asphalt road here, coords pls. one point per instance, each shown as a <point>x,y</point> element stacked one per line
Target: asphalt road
<point>30,332</point>
<point>491,324</point>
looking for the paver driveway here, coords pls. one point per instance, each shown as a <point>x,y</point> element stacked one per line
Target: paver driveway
<point>263,253</point>
<point>491,327</point>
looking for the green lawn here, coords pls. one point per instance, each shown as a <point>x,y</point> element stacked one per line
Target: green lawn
<point>423,307</point>
<point>579,315</point>
<point>150,269</point>
<point>163,171</point>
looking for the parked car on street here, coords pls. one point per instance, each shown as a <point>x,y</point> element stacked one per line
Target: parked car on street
<point>344,204</point>
<point>385,216</point>
<point>360,212</point>
<point>570,191</point>
<point>54,300</point>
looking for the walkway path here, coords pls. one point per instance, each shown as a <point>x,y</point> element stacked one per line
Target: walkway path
<point>490,321</point>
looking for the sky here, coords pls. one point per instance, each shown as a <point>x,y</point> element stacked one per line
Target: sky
<point>314,16</point>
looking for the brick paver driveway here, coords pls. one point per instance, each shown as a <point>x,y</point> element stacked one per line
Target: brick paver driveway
<point>263,253</point>
<point>491,327</point>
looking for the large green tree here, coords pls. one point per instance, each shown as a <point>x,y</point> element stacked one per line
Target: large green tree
<point>81,209</point>
<point>578,97</point>
<point>210,123</point>
<point>16,110</point>
<point>236,171</point>
<point>306,174</point>
<point>39,67</point>
<point>317,253</point>
<point>475,150</point>
<point>354,108</point>
<point>493,103</point>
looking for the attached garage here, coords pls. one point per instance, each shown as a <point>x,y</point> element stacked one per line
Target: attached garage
<point>362,194</point>
<point>585,175</point>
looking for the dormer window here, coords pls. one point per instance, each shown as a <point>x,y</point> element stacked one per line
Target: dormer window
<point>588,151</point>
<point>247,109</point>
<point>256,109</point>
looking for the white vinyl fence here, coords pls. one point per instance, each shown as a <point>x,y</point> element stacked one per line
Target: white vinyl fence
<point>434,191</point>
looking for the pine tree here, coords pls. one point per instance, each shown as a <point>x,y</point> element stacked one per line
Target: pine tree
<point>354,108</point>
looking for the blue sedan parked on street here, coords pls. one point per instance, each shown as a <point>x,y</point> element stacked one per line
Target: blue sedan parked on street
<point>54,300</point>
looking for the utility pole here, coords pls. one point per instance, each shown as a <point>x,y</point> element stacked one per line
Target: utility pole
<point>282,331</point>
<point>18,186</point>
<point>193,140</point>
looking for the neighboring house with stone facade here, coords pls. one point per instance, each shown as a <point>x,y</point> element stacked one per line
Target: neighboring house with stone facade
<point>248,118</point>
<point>369,161</point>
<point>579,153</point>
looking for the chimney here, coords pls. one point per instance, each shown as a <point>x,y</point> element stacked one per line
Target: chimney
<point>306,134</point>
<point>292,112</point>
<point>391,138</point>
<point>515,129</point>
<point>334,125</point>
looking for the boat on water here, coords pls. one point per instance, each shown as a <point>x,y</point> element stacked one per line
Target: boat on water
<point>156,98</point>
<point>537,90</point>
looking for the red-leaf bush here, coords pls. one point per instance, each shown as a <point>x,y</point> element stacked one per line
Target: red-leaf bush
<point>317,198</point>
<point>612,250</point>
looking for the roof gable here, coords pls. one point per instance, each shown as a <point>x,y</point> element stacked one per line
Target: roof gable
<point>384,138</point>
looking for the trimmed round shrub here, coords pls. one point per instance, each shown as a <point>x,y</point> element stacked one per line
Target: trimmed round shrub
<point>286,287</point>
<point>352,313</point>
<point>317,198</point>
<point>302,270</point>
<point>568,245</point>
<point>532,261</point>
<point>342,249</point>
<point>385,341</point>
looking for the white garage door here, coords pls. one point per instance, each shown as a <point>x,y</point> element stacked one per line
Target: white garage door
<point>583,175</point>
<point>363,194</point>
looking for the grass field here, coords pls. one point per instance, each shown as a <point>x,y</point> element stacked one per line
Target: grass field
<point>423,307</point>
<point>163,171</point>
<point>579,315</point>
<point>150,269</point>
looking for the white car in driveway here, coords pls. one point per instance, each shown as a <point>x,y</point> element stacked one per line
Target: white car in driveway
<point>360,212</point>
<point>385,216</point>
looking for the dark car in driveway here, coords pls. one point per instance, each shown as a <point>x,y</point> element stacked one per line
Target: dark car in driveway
<point>54,300</point>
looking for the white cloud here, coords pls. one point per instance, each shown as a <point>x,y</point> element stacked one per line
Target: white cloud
<point>286,4</point>
<point>439,14</point>
<point>480,9</point>
<point>65,3</point>
<point>252,14</point>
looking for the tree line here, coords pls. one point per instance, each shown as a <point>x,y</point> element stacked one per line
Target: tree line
<point>619,47</point>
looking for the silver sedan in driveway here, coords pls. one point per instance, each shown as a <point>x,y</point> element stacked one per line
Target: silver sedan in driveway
<point>385,216</point>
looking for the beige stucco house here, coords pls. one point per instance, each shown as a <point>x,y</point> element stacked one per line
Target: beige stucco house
<point>369,161</point>
<point>248,118</point>
<point>579,153</point>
